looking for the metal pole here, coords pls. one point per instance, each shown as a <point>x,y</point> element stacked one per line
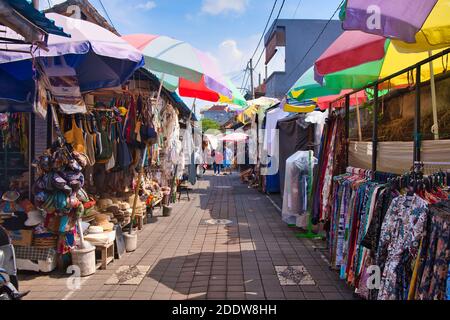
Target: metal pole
<point>435,127</point>
<point>31,153</point>
<point>49,127</point>
<point>358,118</point>
<point>251,79</point>
<point>375,129</point>
<point>347,127</point>
<point>417,129</point>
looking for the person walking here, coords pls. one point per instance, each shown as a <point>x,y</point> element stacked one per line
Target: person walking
<point>228,158</point>
<point>218,159</point>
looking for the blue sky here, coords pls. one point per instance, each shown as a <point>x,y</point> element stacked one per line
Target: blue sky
<point>229,30</point>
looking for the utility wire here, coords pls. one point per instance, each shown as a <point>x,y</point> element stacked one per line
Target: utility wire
<point>265,28</point>
<point>238,75</point>
<point>296,9</point>
<point>106,12</point>
<point>316,40</point>
<point>275,22</point>
<point>260,40</point>
<point>243,78</point>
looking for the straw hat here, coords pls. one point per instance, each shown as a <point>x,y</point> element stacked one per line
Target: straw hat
<point>95,229</point>
<point>113,208</point>
<point>100,217</point>
<point>102,204</point>
<point>102,220</point>
<point>10,196</point>
<point>34,218</point>
<point>107,226</point>
<point>124,205</point>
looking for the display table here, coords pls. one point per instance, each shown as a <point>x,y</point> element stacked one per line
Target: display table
<point>106,255</point>
<point>36,259</point>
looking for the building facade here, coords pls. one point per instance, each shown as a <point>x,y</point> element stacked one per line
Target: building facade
<point>218,113</point>
<point>297,36</point>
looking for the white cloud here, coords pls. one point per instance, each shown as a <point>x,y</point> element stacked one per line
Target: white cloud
<point>149,5</point>
<point>216,7</point>
<point>230,47</point>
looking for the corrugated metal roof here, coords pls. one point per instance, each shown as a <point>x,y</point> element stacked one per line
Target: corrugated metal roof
<point>26,9</point>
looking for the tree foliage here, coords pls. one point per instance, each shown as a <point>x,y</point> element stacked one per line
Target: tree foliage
<point>209,124</point>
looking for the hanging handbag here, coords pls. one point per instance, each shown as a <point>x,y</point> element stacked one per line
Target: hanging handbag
<point>123,153</point>
<point>148,132</point>
<point>103,155</point>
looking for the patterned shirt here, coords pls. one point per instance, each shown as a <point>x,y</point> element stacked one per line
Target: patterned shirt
<point>401,232</point>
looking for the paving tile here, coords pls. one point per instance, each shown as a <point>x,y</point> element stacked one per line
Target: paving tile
<point>192,261</point>
<point>314,296</point>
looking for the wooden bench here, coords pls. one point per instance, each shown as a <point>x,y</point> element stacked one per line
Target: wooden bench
<point>106,253</point>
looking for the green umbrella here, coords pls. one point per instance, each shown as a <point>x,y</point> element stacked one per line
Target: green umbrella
<point>307,88</point>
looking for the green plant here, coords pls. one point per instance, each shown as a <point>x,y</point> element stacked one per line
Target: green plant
<point>209,124</point>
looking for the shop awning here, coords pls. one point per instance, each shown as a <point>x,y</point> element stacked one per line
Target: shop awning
<point>23,18</point>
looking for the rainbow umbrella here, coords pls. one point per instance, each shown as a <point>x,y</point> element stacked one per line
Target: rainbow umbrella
<point>200,91</point>
<point>293,105</point>
<point>308,88</point>
<point>401,19</point>
<point>180,65</point>
<point>342,66</point>
<point>237,99</point>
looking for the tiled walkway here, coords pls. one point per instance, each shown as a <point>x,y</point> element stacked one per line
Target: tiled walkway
<point>188,258</point>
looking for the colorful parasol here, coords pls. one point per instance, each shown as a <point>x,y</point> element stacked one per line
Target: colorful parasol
<point>308,88</point>
<point>358,70</point>
<point>193,72</point>
<point>89,48</point>
<point>401,19</point>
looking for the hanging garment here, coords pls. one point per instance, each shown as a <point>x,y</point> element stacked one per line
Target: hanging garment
<point>89,137</point>
<point>295,135</point>
<point>436,251</point>
<point>401,232</point>
<point>105,150</point>
<point>270,136</point>
<point>295,197</point>
<point>123,153</point>
<point>74,136</point>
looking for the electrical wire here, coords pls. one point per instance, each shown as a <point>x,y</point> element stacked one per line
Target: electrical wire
<point>237,76</point>
<point>243,78</point>
<point>271,30</point>
<point>106,12</point>
<point>316,40</point>
<point>296,9</point>
<point>265,28</point>
<point>260,40</point>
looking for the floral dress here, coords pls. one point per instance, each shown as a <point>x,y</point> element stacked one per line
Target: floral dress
<point>401,233</point>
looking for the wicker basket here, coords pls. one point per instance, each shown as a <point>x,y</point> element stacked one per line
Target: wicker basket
<point>48,242</point>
